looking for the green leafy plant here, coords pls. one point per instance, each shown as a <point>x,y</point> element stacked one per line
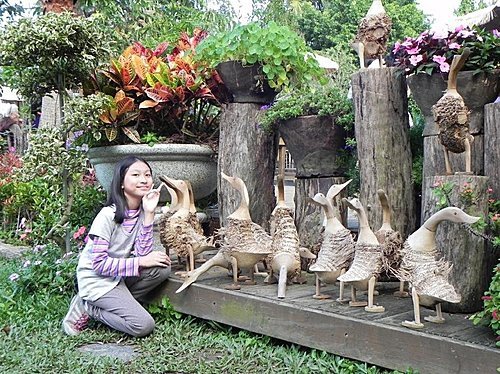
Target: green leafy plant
<point>50,52</point>
<point>328,100</point>
<point>281,52</point>
<point>149,91</point>
<point>433,51</point>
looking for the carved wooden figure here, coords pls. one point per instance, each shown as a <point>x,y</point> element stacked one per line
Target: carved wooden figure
<point>372,35</point>
<point>367,263</point>
<point>181,231</point>
<point>337,245</point>
<point>391,242</point>
<point>452,117</point>
<point>285,259</point>
<point>427,275</point>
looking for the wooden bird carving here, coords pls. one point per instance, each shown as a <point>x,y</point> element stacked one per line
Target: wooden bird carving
<point>427,275</point>
<point>391,242</point>
<point>179,232</point>
<point>452,117</point>
<point>372,35</point>
<point>337,245</point>
<point>367,263</point>
<point>285,258</point>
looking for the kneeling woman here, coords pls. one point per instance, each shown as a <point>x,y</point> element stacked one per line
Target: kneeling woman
<point>117,267</point>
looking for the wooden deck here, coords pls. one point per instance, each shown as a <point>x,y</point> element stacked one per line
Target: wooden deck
<point>377,338</point>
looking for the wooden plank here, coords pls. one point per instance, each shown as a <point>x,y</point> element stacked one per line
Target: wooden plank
<point>377,343</point>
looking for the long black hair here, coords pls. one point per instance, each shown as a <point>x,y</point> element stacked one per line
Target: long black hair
<point>116,195</point>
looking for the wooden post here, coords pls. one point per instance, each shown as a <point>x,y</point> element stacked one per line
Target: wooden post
<point>246,151</point>
<point>491,147</point>
<point>472,263</point>
<point>382,136</point>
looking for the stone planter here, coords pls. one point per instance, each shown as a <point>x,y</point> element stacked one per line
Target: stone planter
<point>314,143</point>
<point>245,83</point>
<point>193,162</point>
<point>476,90</point>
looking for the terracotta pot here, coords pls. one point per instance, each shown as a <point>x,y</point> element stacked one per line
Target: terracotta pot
<point>245,83</point>
<point>314,143</point>
<point>476,90</point>
<point>193,162</point>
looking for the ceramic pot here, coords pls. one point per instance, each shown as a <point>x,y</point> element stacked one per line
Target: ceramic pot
<point>195,163</point>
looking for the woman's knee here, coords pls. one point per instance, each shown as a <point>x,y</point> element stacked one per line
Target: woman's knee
<point>159,273</point>
<point>144,327</point>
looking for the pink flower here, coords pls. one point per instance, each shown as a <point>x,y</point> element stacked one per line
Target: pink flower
<point>465,33</point>
<point>397,47</point>
<point>486,297</point>
<point>496,33</point>
<point>440,34</point>
<point>489,190</point>
<point>454,46</point>
<point>79,232</point>
<point>495,314</point>
<point>414,60</point>
<point>459,28</point>
<point>413,51</point>
<point>439,59</point>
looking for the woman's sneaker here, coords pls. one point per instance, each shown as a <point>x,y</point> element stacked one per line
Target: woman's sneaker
<point>77,317</point>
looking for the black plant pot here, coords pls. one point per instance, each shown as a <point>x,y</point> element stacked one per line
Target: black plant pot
<point>245,83</point>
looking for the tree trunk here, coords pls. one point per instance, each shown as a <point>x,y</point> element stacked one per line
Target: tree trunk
<point>382,136</point>
<point>246,151</point>
<point>58,6</point>
<point>491,148</point>
<point>472,263</point>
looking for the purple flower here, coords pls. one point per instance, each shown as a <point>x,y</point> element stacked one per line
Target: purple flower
<point>459,28</point>
<point>444,67</point>
<point>454,45</point>
<point>397,47</point>
<point>496,33</point>
<point>414,60</point>
<point>14,277</point>
<point>26,263</point>
<point>265,107</point>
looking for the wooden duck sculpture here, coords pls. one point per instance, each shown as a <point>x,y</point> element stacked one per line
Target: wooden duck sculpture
<point>372,35</point>
<point>452,117</point>
<point>285,258</point>
<point>428,276</point>
<point>239,235</point>
<point>391,242</point>
<point>337,245</point>
<point>367,262</point>
<point>178,232</point>
<point>247,242</point>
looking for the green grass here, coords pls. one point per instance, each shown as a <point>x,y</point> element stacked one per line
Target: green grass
<point>31,341</point>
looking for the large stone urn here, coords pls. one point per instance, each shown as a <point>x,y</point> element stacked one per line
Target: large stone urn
<point>195,163</point>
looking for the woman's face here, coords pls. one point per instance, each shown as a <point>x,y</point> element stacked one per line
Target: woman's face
<point>137,181</point>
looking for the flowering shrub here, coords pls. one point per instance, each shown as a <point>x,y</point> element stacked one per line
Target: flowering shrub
<point>433,52</point>
<point>490,315</point>
<point>44,269</point>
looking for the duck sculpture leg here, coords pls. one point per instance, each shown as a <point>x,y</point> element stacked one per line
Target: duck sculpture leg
<point>371,307</point>
<point>318,295</point>
<point>438,318</point>
<point>415,324</point>
<point>234,266</point>
<point>341,298</point>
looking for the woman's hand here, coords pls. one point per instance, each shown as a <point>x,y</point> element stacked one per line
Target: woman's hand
<point>155,258</point>
<point>150,200</point>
